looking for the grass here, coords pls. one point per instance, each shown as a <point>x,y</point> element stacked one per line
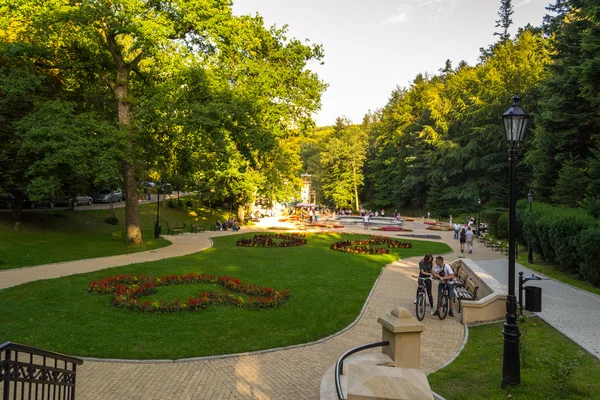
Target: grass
<point>555,367</point>
<point>555,272</point>
<point>51,236</point>
<point>328,290</point>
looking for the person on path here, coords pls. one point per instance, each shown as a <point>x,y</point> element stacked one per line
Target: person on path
<point>310,216</point>
<point>463,239</point>
<point>427,214</point>
<point>426,271</point>
<point>316,215</point>
<point>456,230</point>
<point>149,191</point>
<point>445,274</point>
<point>366,222</point>
<point>451,220</point>
<point>469,239</point>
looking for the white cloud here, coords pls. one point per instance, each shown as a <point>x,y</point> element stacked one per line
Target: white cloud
<point>400,15</point>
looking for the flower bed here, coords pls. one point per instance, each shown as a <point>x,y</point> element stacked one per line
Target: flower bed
<point>268,240</point>
<point>127,290</point>
<point>391,228</point>
<point>324,226</point>
<point>369,246</point>
<point>409,219</point>
<point>429,222</point>
<point>439,228</point>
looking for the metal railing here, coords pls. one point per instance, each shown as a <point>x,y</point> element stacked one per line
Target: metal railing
<point>339,365</point>
<point>31,373</point>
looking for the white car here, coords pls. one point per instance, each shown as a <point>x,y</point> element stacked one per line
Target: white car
<point>83,199</point>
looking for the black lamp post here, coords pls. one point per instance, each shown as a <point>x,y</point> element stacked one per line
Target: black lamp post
<point>516,122</point>
<point>530,249</point>
<point>157,225</point>
<point>479,217</point>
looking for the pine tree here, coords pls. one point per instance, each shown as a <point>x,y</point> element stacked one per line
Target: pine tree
<point>505,21</point>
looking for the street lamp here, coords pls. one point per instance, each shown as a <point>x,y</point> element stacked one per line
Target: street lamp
<point>530,249</point>
<point>516,122</point>
<point>479,217</point>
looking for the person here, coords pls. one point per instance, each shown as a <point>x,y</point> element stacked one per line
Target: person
<point>316,215</point>
<point>219,225</point>
<point>366,222</point>
<point>469,239</point>
<point>463,239</point>
<point>445,274</point>
<point>428,214</point>
<point>450,220</point>
<point>310,216</point>
<point>456,230</point>
<point>426,271</point>
<point>382,212</point>
<point>234,226</point>
<point>149,191</point>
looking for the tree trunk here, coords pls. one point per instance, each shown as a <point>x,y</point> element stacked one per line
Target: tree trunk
<point>240,214</point>
<point>355,186</point>
<point>132,214</point>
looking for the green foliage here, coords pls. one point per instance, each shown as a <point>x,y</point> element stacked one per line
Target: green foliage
<point>501,228</point>
<point>553,232</point>
<point>492,217</point>
<point>588,252</point>
<point>118,235</point>
<point>112,220</point>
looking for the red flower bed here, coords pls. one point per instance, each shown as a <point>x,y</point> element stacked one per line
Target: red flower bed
<point>369,246</point>
<point>429,222</point>
<point>395,229</point>
<point>409,219</point>
<point>127,290</point>
<point>439,228</point>
<point>268,240</point>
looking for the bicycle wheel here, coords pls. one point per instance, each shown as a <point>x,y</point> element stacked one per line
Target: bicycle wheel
<point>443,306</point>
<point>421,306</point>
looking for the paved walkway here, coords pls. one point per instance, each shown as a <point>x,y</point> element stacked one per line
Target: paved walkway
<point>293,373</point>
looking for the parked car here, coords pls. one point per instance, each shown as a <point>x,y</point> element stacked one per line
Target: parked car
<point>103,196</point>
<point>83,199</point>
<point>45,201</point>
<point>7,200</point>
<point>151,184</point>
<point>166,188</point>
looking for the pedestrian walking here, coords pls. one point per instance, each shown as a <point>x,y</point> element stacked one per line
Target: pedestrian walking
<point>469,239</point>
<point>456,230</point>
<point>463,239</point>
<point>366,222</point>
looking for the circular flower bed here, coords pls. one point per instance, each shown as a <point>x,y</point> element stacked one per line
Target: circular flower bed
<point>324,225</point>
<point>127,290</point>
<point>369,246</point>
<point>276,240</point>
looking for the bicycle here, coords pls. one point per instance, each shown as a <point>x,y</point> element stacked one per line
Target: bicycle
<point>443,301</point>
<point>421,304</point>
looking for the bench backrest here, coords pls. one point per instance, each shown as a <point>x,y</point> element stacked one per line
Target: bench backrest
<point>472,287</point>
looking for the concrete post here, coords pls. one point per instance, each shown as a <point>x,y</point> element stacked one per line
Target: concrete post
<point>403,331</point>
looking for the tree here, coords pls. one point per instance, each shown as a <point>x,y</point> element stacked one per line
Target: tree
<point>505,21</point>
<point>342,160</point>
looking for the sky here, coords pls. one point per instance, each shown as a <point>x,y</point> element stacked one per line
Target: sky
<point>373,46</point>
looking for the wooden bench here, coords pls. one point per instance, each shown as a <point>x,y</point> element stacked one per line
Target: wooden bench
<point>496,246</point>
<point>195,228</point>
<point>459,277</point>
<point>174,229</point>
<point>503,250</point>
<point>466,292</point>
<point>481,238</point>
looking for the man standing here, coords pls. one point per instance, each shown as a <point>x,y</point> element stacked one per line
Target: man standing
<point>469,237</point>
<point>456,229</point>
<point>445,274</point>
<point>366,222</point>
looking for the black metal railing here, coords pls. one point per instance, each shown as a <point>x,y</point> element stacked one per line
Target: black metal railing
<point>31,373</point>
<point>339,365</point>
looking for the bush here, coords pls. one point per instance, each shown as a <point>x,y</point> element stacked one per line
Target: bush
<point>117,235</point>
<point>188,203</point>
<point>60,214</point>
<point>589,254</point>
<point>501,230</point>
<point>171,204</point>
<point>491,217</point>
<point>112,220</point>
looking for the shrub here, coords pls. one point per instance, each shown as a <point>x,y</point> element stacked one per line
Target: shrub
<point>188,203</point>
<point>589,254</point>
<point>60,214</point>
<point>117,235</point>
<point>491,216</point>
<point>171,204</point>
<point>501,230</point>
<point>112,220</point>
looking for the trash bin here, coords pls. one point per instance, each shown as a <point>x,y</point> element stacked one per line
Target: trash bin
<point>533,298</point>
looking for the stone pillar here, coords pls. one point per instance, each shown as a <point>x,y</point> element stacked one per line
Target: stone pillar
<point>403,331</point>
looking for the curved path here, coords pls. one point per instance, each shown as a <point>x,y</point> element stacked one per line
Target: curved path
<point>291,373</point>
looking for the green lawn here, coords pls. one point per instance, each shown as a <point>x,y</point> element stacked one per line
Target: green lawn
<point>45,237</point>
<point>328,290</point>
<point>555,367</point>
